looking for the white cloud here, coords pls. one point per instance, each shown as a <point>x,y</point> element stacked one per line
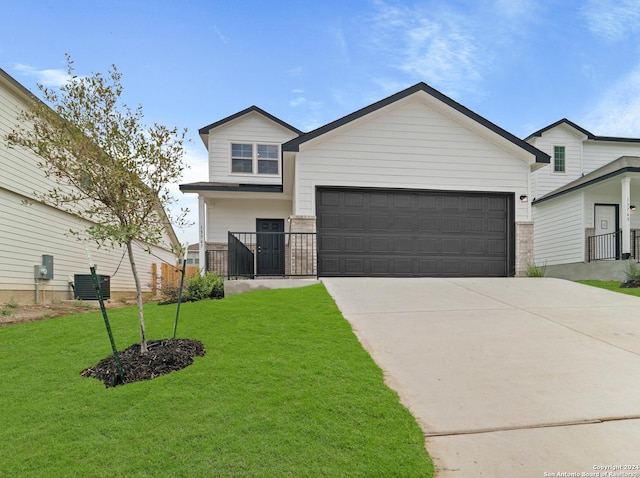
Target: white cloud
<point>515,9</point>
<point>618,113</point>
<point>50,77</point>
<point>438,47</point>
<point>612,19</point>
<point>295,71</point>
<point>222,38</point>
<point>300,100</point>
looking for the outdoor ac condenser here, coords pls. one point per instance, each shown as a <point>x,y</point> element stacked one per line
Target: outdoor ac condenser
<point>85,290</point>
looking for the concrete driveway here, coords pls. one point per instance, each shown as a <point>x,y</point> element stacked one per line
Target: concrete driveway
<point>507,377</point>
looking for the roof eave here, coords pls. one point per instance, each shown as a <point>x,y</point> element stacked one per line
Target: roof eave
<point>251,109</point>
<point>294,144</point>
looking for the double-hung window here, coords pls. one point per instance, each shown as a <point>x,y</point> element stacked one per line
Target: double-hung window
<point>254,158</point>
<point>559,163</point>
<point>241,158</point>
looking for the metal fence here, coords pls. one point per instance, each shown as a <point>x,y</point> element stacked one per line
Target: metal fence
<point>604,246</point>
<point>271,254</point>
<point>217,261</point>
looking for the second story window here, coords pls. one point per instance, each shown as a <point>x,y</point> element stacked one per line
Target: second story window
<point>249,158</point>
<point>558,159</point>
<point>241,158</point>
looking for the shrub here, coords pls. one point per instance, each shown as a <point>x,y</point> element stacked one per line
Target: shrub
<point>534,270</point>
<point>208,286</point>
<point>633,275</point>
<point>169,291</point>
<point>12,304</point>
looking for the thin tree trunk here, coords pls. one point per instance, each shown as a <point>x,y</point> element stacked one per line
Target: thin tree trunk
<point>143,338</point>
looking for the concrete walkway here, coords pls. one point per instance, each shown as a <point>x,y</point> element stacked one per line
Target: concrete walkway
<point>507,377</point>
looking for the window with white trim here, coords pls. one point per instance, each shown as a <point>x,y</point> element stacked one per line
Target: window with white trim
<point>559,163</point>
<point>254,158</point>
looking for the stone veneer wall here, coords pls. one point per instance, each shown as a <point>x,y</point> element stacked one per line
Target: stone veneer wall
<point>524,247</point>
<point>303,252</point>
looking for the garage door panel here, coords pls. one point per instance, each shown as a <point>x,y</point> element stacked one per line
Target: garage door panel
<point>404,244</point>
<point>380,244</point>
<point>474,224</point>
<point>429,223</point>
<point>403,223</point>
<point>356,221</point>
<point>451,268</point>
<point>379,200</point>
<point>450,224</point>
<point>450,202</point>
<point>354,266</point>
<point>497,247</point>
<point>380,267</point>
<point>329,243</point>
<point>354,244</point>
<point>402,201</point>
<point>371,232</point>
<point>428,245</point>
<point>354,199</point>
<point>329,221</point>
<point>496,225</point>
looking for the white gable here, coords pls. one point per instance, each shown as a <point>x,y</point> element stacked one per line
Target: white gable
<point>411,144</point>
<point>251,128</point>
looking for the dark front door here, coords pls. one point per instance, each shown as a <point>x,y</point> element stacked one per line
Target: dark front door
<point>271,250</point>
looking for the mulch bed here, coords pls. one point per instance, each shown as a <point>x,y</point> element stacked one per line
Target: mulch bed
<point>630,283</point>
<point>163,357</point>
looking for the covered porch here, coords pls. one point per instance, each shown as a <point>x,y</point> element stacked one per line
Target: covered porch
<point>607,203</point>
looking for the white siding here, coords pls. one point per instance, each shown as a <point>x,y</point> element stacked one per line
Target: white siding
<point>598,153</point>
<point>252,128</point>
<point>29,231</point>
<point>408,145</point>
<point>545,180</point>
<point>558,232</point>
<point>239,215</point>
<point>18,167</point>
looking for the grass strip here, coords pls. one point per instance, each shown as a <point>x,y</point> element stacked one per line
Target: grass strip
<point>612,285</point>
<point>285,389</point>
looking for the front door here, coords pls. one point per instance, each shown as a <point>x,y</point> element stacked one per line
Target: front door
<point>271,246</point>
<point>606,230</point>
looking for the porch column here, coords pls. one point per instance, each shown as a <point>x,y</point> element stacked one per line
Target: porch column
<point>202,246</point>
<point>626,218</point>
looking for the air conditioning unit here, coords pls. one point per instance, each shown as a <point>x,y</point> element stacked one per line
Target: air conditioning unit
<point>85,290</point>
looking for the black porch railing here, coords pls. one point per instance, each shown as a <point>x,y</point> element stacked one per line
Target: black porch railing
<point>271,254</point>
<point>604,246</point>
<point>609,246</point>
<point>217,261</point>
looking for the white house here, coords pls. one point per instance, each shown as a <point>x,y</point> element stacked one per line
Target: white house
<point>584,202</point>
<point>412,185</point>
<point>34,234</point>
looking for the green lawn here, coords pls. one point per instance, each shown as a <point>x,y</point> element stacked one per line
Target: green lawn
<point>285,389</point>
<point>612,285</point>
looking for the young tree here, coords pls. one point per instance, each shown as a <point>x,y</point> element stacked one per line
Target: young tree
<point>108,166</point>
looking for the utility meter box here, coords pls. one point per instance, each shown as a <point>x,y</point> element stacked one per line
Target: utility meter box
<point>47,263</point>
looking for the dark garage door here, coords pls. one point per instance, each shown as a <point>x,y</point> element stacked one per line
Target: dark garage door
<point>409,233</point>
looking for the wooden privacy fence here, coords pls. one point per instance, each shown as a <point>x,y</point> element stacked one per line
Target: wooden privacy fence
<point>169,275</point>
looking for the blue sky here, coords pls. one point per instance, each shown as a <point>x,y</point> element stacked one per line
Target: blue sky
<point>521,64</point>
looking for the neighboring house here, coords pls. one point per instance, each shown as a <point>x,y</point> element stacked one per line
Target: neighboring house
<point>413,185</point>
<point>30,230</point>
<point>584,202</point>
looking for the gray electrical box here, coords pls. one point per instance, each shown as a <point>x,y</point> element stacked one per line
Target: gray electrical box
<point>47,263</point>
